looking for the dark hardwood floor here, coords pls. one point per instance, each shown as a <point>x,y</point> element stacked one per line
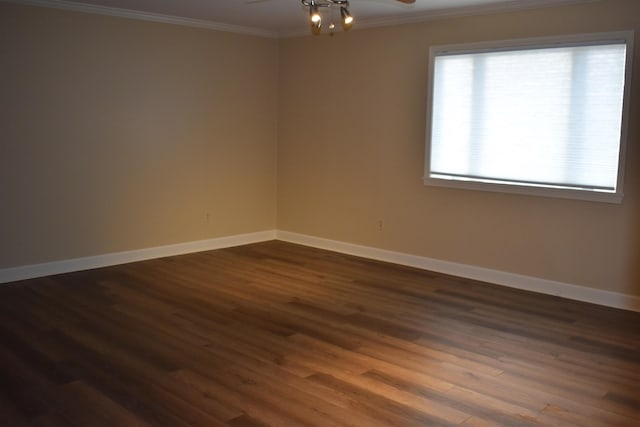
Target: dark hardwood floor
<point>275,334</point>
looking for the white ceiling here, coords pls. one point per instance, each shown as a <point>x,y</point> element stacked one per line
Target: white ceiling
<point>285,17</point>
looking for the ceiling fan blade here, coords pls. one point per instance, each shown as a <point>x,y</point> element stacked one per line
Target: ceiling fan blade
<point>407,1</point>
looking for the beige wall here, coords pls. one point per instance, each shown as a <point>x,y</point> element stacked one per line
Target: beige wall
<point>351,148</point>
<point>118,134</point>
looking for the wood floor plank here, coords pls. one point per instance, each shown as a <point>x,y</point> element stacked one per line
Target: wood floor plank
<point>275,334</point>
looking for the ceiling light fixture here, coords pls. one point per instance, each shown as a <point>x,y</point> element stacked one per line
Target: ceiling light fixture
<point>314,13</point>
<point>347,19</point>
<point>316,19</point>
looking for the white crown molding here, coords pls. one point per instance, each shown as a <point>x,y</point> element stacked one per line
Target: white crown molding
<point>107,260</point>
<point>146,16</point>
<point>528,283</point>
<point>509,6</point>
<point>434,15</point>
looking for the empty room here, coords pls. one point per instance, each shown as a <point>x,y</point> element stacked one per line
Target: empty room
<point>254,213</point>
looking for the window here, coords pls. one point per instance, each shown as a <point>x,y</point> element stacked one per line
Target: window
<point>538,116</point>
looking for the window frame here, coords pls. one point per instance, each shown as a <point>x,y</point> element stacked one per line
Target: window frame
<point>525,44</point>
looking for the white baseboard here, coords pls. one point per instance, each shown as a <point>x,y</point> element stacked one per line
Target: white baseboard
<point>78,264</point>
<point>534,284</point>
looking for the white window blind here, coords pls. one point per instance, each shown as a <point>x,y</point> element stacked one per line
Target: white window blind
<point>532,116</point>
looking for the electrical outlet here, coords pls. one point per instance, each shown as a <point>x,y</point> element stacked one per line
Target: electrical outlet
<point>380,224</point>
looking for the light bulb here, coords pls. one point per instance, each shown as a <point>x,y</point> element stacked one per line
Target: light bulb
<point>347,19</point>
<point>314,14</point>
